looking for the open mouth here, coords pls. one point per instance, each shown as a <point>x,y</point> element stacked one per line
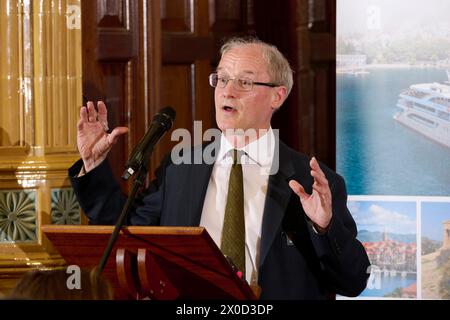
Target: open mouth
<point>228,108</point>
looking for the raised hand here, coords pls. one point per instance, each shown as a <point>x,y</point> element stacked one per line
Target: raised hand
<point>93,140</point>
<point>316,205</point>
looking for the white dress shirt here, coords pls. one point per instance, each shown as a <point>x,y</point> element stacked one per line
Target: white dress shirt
<point>256,164</point>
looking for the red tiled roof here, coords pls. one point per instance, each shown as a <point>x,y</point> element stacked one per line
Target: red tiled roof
<point>411,290</point>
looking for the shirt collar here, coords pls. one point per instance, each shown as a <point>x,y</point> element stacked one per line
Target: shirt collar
<point>260,151</point>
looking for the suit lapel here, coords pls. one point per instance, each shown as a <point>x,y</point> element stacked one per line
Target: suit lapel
<point>277,199</point>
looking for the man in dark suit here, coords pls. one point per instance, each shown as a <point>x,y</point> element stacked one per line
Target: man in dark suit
<point>297,238</point>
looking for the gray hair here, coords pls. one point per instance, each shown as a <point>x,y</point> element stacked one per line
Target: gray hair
<point>278,67</point>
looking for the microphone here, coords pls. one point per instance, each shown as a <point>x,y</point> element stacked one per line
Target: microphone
<point>161,123</point>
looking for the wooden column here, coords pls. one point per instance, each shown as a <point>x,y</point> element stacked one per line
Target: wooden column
<point>40,96</point>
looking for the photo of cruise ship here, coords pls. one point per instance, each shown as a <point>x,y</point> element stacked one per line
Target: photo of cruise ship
<point>425,108</point>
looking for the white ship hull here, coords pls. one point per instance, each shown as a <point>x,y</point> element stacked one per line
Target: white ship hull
<point>433,128</point>
<point>425,108</point>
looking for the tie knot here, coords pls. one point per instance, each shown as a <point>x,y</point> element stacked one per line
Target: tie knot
<point>236,155</point>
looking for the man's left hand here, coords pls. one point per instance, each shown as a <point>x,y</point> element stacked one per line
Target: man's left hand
<point>317,205</point>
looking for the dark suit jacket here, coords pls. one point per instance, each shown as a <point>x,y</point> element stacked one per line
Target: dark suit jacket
<point>295,261</point>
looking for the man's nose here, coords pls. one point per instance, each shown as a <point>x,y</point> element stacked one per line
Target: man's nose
<point>229,89</point>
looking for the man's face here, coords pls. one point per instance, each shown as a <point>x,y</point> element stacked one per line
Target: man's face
<point>246,109</point>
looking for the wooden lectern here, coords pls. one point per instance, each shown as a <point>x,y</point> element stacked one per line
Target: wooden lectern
<point>161,263</point>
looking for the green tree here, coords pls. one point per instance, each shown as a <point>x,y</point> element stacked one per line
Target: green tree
<point>397,293</point>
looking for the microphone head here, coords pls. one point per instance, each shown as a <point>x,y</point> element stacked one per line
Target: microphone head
<point>168,111</point>
<point>165,116</point>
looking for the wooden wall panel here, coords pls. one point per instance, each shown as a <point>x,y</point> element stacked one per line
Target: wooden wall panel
<point>304,31</point>
<point>227,15</point>
<point>177,16</point>
<point>185,72</point>
<point>322,23</point>
<point>112,14</point>
<point>121,66</point>
<point>106,49</point>
<point>179,79</point>
<point>196,51</point>
<point>231,18</point>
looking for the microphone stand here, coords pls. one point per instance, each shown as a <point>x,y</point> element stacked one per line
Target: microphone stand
<point>138,183</point>
<point>137,163</point>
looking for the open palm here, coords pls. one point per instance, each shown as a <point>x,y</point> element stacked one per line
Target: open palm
<point>93,141</point>
<point>316,205</point>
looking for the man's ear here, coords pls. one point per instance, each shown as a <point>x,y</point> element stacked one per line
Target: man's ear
<point>278,97</point>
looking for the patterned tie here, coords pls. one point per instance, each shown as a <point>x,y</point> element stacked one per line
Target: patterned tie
<point>233,232</point>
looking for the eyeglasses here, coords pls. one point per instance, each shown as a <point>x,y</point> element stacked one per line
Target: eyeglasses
<point>241,84</point>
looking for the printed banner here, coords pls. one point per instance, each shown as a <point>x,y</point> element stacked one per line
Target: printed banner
<point>393,140</point>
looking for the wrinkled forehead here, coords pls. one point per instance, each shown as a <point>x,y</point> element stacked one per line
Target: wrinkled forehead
<point>243,60</point>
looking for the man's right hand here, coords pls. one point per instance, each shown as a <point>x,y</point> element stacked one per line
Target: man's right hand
<point>93,140</point>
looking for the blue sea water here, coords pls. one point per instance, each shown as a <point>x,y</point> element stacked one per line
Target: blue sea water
<point>377,155</point>
<point>388,285</point>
